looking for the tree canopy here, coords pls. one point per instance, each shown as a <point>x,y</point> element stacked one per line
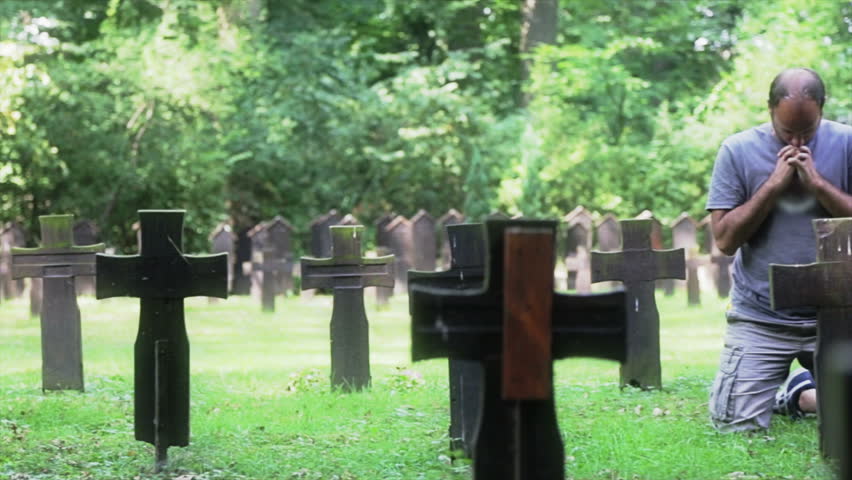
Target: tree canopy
<point>246,109</point>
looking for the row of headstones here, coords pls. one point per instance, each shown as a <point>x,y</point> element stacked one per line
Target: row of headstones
<point>455,313</point>
<point>695,237</point>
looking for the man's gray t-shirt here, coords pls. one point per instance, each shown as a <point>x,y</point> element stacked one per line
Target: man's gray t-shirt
<point>786,236</point>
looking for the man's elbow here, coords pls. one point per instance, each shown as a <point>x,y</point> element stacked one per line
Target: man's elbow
<point>726,247</point>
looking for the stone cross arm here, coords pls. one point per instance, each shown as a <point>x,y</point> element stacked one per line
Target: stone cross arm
<point>824,284</point>
<point>628,265</point>
<point>470,324</point>
<point>74,261</point>
<point>162,277</point>
<point>326,273</point>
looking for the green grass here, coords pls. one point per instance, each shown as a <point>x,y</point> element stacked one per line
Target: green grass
<point>262,407</point>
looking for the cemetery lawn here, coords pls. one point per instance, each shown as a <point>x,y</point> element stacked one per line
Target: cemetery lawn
<point>262,408</point>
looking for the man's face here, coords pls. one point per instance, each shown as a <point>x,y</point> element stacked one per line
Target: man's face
<point>795,120</point>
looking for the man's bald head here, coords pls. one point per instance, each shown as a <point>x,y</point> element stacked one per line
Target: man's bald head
<point>797,83</point>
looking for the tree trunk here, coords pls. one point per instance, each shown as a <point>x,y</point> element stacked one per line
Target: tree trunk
<point>539,25</point>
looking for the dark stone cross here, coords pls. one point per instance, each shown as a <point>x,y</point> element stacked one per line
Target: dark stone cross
<point>467,261</point>
<point>721,262</point>
<point>58,262</point>
<point>347,272</point>
<point>684,235</point>
<point>638,265</point>
<point>161,276</point>
<point>516,326</point>
<point>578,245</point>
<point>824,285</point>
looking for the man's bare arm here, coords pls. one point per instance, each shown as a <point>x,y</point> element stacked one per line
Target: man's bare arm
<point>732,228</point>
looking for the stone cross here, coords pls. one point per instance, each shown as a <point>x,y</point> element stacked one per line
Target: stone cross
<point>399,235</point>
<point>347,273</point>
<point>223,240</point>
<point>467,247</point>
<point>161,276</point>
<point>85,233</point>
<point>425,247</point>
<point>721,262</point>
<point>578,245</point>
<point>452,217</point>
<point>272,261</point>
<point>320,237</point>
<point>638,265</point>
<point>58,262</point>
<point>11,236</point>
<point>657,243</point>
<point>824,285</point>
<point>515,326</point>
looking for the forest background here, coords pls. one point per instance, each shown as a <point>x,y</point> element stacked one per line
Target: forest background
<point>246,109</point>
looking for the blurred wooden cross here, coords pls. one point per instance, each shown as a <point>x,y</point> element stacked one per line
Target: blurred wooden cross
<point>515,326</point>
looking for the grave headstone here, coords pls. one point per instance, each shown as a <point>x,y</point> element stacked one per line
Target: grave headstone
<point>242,283</point>
<point>272,263</point>
<point>36,297</point>
<point>608,234</point>
<point>684,235</point>
<point>320,236</point>
<point>223,240</point>
<point>452,217</point>
<point>578,245</point>
<point>383,248</point>
<point>466,271</point>
<point>86,233</point>
<point>401,241</point>
<point>349,220</point>
<point>825,286</point>
<point>638,265</point>
<point>161,276</point>
<point>425,248</point>
<point>347,273</point>
<point>497,215</point>
<point>721,263</point>
<point>515,326</point>
<point>58,261</point>
<point>11,236</point>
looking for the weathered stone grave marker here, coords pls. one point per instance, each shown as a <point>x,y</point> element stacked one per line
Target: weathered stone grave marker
<point>826,286</point>
<point>578,245</point>
<point>161,276</point>
<point>516,326</point>
<point>347,273</point>
<point>400,237</point>
<point>11,236</point>
<point>638,265</point>
<point>320,236</point>
<point>272,261</point>
<point>452,217</point>
<point>684,235</point>
<point>86,233</point>
<point>383,248</point>
<point>58,262</point>
<point>721,262</point>
<point>425,247</point>
<point>223,240</point>
<point>467,248</point>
